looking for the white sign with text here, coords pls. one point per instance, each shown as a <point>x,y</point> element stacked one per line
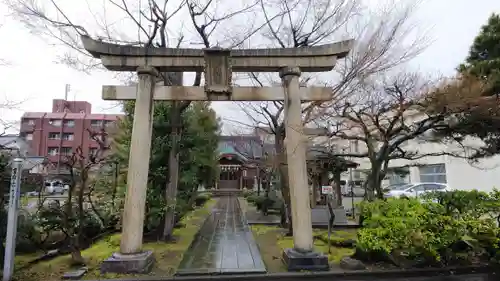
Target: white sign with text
<point>326,189</point>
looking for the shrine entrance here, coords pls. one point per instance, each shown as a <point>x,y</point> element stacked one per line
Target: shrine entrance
<point>217,66</point>
<point>230,177</point>
<point>231,172</point>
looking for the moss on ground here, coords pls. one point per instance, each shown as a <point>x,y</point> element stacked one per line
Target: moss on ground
<point>272,241</point>
<point>168,255</point>
<point>267,238</point>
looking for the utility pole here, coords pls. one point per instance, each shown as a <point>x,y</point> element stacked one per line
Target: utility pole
<point>66,91</point>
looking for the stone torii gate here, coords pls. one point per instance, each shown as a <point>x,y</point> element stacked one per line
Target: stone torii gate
<point>217,65</point>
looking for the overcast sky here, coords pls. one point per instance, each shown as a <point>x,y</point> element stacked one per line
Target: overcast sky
<point>33,74</point>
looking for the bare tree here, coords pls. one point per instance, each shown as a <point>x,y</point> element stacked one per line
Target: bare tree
<point>70,216</point>
<point>387,114</point>
<point>5,124</point>
<point>3,62</point>
<point>383,43</point>
<point>150,25</point>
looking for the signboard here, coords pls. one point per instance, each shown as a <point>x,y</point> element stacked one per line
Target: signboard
<point>326,189</point>
<point>10,239</point>
<point>14,191</point>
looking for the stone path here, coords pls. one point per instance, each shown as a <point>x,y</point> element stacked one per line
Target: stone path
<point>224,244</point>
<point>319,217</point>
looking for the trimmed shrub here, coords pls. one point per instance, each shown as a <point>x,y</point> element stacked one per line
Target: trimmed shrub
<point>202,198</point>
<point>414,232</point>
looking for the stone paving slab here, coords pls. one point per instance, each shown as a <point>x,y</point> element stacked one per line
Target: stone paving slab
<point>223,245</point>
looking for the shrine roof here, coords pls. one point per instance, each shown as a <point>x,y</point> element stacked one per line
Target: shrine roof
<point>249,146</point>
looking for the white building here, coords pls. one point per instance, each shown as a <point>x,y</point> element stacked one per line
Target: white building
<point>457,172</point>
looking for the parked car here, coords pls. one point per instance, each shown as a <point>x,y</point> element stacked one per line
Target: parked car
<point>416,189</point>
<point>395,185</point>
<point>54,187</point>
<point>32,193</point>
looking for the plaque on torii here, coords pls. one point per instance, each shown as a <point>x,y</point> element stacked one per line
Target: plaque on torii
<point>218,65</point>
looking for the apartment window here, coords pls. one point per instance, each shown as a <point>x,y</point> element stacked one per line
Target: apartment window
<point>29,137</point>
<point>433,173</point>
<point>54,136</point>
<point>398,175</point>
<point>69,123</point>
<point>356,174</point>
<point>55,122</point>
<point>94,136</point>
<point>68,136</point>
<point>53,151</point>
<point>108,123</point>
<point>395,178</point>
<point>356,146</point>
<point>30,122</point>
<point>92,151</point>
<point>66,150</point>
<point>334,147</point>
<point>95,123</point>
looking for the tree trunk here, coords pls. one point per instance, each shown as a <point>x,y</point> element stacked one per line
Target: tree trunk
<point>76,254</point>
<point>115,185</point>
<point>286,215</point>
<point>338,188</point>
<point>374,183</point>
<point>172,78</point>
<point>259,179</point>
<point>81,214</point>
<point>172,185</point>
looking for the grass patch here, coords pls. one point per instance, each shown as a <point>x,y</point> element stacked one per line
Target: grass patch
<point>336,253</point>
<point>267,238</point>
<point>272,241</point>
<point>168,255</point>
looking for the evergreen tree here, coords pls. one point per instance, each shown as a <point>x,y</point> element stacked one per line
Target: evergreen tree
<point>197,154</point>
<point>482,117</point>
<point>483,60</point>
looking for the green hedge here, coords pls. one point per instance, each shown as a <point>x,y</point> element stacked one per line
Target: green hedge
<point>202,198</point>
<point>447,228</point>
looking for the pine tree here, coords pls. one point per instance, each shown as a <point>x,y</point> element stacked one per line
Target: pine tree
<point>482,120</point>
<point>483,60</point>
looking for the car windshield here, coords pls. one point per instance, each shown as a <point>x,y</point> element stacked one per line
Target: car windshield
<point>400,186</point>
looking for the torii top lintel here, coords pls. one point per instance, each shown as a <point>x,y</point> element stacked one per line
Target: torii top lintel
<point>128,58</point>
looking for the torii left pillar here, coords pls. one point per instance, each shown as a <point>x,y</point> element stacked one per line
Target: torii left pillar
<point>132,258</point>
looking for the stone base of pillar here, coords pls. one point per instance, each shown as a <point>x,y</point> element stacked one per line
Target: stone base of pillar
<point>311,261</point>
<point>128,264</point>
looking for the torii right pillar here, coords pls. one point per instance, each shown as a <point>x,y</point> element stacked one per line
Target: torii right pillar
<point>302,256</point>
